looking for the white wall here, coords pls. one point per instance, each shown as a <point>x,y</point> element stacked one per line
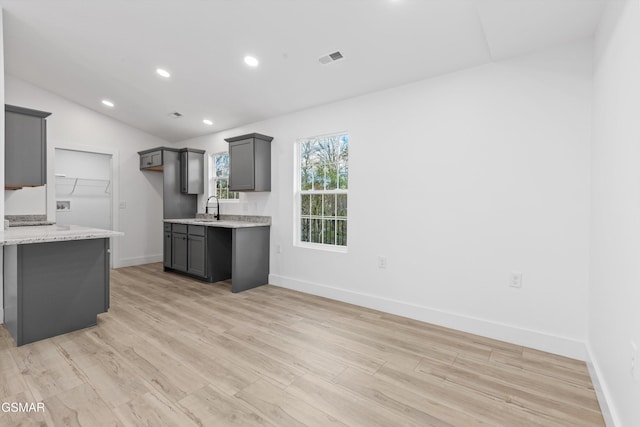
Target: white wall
<point>614,308</point>
<point>26,201</point>
<point>76,127</point>
<point>490,174</point>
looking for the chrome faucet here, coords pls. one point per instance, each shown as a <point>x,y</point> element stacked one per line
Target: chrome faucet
<point>206,207</point>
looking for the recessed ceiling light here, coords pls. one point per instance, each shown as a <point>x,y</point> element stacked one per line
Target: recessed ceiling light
<point>207,122</point>
<point>251,61</point>
<point>108,103</point>
<point>163,73</point>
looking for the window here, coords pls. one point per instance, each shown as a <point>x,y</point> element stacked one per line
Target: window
<point>322,187</point>
<point>219,177</point>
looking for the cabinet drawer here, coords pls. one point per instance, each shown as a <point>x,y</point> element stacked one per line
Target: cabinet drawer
<point>151,160</point>
<point>196,230</point>
<point>180,228</point>
<point>167,226</point>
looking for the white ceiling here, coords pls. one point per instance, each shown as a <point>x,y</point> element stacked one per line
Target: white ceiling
<point>87,50</point>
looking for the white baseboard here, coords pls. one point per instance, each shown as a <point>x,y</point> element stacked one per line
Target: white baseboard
<point>609,413</point>
<point>563,346</point>
<point>129,262</point>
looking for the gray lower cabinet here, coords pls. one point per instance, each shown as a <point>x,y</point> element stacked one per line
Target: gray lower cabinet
<point>196,255</point>
<point>218,253</point>
<point>187,249</point>
<point>55,287</point>
<point>25,147</point>
<point>196,250</point>
<point>166,246</point>
<point>179,250</point>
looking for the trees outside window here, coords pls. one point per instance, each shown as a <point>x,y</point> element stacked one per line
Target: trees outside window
<point>323,184</point>
<point>219,177</point>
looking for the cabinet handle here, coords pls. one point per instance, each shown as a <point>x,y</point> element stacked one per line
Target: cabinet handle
<point>148,163</point>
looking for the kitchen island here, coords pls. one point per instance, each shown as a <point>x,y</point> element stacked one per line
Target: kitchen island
<point>56,279</point>
<point>235,247</point>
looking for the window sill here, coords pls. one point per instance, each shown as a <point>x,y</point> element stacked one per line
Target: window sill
<point>322,247</point>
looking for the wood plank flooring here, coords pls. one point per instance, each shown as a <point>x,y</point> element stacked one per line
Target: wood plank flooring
<point>177,352</point>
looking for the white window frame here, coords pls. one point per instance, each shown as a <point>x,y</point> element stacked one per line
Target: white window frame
<point>297,197</point>
<point>213,178</point>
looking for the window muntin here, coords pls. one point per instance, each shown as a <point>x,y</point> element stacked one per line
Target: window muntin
<point>219,177</point>
<point>323,183</point>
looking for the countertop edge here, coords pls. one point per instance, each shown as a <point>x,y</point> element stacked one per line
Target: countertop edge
<point>65,235</point>
<point>218,224</point>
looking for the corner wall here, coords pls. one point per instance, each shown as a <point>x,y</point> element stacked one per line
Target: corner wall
<point>458,180</point>
<point>614,304</point>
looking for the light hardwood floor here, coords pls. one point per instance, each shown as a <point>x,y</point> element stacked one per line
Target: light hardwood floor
<point>174,351</point>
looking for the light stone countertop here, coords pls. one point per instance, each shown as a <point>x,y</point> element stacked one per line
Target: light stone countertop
<point>224,223</point>
<point>52,233</point>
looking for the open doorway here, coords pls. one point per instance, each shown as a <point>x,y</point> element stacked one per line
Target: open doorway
<point>83,189</point>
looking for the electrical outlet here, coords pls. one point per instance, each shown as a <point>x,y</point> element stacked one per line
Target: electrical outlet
<point>515,281</point>
<point>123,204</point>
<point>635,362</point>
<point>278,249</point>
<point>382,262</point>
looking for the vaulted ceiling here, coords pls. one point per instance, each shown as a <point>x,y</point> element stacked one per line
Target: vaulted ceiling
<point>89,50</point>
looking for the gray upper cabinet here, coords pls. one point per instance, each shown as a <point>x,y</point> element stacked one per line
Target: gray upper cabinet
<point>250,162</point>
<point>189,164</point>
<point>151,160</point>
<point>191,171</point>
<point>25,147</point>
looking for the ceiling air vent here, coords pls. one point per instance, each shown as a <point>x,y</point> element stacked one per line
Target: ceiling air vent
<point>175,115</point>
<point>332,57</point>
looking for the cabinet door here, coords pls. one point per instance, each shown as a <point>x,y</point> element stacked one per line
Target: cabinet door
<point>179,251</point>
<point>167,249</point>
<point>197,255</point>
<point>25,150</point>
<point>241,165</point>
<point>151,160</point>
<point>184,172</point>
<point>191,172</point>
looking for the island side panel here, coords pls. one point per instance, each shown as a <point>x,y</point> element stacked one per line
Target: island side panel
<point>107,274</point>
<point>63,286</point>
<point>11,289</point>
<point>250,258</point>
